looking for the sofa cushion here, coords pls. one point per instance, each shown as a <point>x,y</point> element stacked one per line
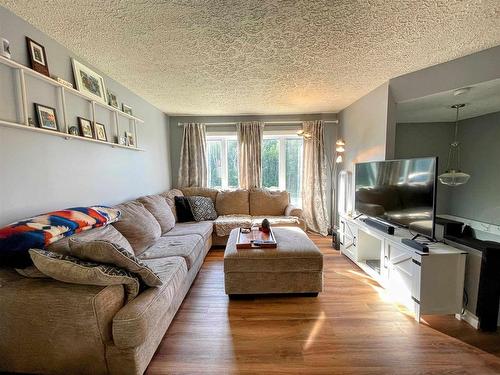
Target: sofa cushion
<point>160,209</point>
<point>107,233</point>
<point>266,202</point>
<point>42,230</point>
<point>201,192</point>
<point>133,324</point>
<point>202,208</point>
<point>226,223</point>
<point>183,209</point>
<point>232,202</point>
<point>138,226</point>
<point>106,252</point>
<point>202,228</point>
<point>169,197</point>
<point>72,270</point>
<point>278,221</point>
<point>188,246</point>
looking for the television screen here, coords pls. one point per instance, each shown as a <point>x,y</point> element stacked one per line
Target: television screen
<point>399,192</point>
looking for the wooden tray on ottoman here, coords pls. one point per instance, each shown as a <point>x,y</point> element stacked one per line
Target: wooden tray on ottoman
<point>248,240</point>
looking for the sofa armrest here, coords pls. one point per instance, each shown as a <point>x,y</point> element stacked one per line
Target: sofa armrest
<point>291,210</point>
<point>49,326</point>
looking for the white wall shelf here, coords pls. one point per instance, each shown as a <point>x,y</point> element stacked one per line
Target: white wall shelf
<point>23,70</point>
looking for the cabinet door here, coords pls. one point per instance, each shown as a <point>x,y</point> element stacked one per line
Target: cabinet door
<point>400,275</point>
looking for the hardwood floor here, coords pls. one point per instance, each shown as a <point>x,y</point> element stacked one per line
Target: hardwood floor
<point>352,327</point>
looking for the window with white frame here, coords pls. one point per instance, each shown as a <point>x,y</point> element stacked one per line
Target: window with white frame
<point>222,160</point>
<point>282,164</point>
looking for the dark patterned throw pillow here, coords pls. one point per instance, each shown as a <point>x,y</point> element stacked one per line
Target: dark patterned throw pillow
<point>202,208</point>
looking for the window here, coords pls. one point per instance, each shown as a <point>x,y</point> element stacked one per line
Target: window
<point>282,165</point>
<point>222,160</point>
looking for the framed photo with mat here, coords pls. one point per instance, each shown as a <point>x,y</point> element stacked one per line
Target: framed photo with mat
<point>46,116</point>
<point>38,57</point>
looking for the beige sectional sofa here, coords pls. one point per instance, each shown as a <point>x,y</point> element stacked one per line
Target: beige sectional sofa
<point>51,327</point>
<point>243,208</point>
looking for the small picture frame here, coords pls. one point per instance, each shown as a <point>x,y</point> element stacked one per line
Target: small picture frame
<point>46,116</point>
<point>5,48</point>
<point>100,131</point>
<point>127,109</point>
<point>112,100</point>
<point>86,129</point>
<point>73,130</point>
<point>38,57</point>
<point>130,139</point>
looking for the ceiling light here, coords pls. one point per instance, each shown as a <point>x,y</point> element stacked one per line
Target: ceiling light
<point>453,175</point>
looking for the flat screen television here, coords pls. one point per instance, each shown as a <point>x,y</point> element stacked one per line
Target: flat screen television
<point>398,192</point>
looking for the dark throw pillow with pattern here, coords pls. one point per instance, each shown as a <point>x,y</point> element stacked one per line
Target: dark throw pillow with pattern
<point>202,208</point>
<point>183,209</point>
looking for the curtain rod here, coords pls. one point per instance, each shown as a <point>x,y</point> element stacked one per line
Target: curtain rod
<point>265,122</point>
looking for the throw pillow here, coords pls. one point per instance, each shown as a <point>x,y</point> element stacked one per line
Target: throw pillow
<point>72,270</point>
<point>138,226</point>
<point>202,208</point>
<point>160,209</point>
<point>183,209</point>
<point>42,230</point>
<point>102,251</point>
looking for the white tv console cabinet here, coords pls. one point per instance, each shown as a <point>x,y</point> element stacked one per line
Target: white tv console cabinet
<point>426,283</point>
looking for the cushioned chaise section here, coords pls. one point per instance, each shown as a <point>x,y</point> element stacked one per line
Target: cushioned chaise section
<point>159,208</point>
<point>188,246</point>
<point>266,202</point>
<point>107,233</point>
<point>134,322</point>
<point>226,223</point>
<point>58,328</point>
<point>202,228</point>
<point>278,221</point>
<point>232,202</point>
<point>138,226</point>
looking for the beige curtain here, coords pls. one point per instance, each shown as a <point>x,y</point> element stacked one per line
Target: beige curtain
<point>250,144</point>
<point>193,166</point>
<point>314,178</point>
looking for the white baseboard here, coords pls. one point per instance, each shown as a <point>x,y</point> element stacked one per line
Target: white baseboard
<point>470,318</point>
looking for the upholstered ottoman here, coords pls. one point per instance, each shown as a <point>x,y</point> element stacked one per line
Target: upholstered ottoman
<point>295,266</point>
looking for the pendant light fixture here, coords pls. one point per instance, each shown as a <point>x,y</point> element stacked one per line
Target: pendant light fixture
<point>453,175</point>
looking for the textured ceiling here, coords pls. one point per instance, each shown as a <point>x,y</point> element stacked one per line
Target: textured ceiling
<point>481,99</point>
<point>262,57</point>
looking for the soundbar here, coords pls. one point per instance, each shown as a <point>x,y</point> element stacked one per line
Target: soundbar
<point>416,245</point>
<point>386,228</point>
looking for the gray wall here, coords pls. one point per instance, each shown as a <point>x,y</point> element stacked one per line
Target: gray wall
<point>423,140</point>
<point>40,172</point>
<point>480,157</point>
<point>366,125</point>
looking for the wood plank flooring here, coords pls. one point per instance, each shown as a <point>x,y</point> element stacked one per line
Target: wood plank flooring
<point>350,328</point>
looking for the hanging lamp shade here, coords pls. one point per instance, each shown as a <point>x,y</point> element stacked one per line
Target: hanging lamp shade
<point>453,175</point>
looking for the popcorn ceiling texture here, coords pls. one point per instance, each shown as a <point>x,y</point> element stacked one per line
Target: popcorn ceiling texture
<point>222,57</point>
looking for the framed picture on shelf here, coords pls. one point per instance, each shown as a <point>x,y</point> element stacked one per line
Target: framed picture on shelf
<point>112,101</point>
<point>38,57</point>
<point>89,82</point>
<point>73,130</point>
<point>85,127</point>
<point>5,48</point>
<point>127,109</point>
<point>130,139</point>
<point>47,118</point>
<point>100,131</point>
